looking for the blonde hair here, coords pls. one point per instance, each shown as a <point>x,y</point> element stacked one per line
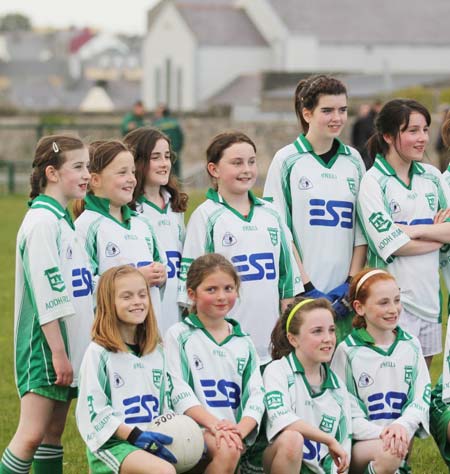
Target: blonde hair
<point>105,330</point>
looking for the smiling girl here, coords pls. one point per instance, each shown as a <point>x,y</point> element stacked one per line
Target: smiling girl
<point>383,367</point>
<point>398,206</point>
<point>314,183</point>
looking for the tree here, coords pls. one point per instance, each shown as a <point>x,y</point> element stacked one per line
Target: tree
<point>15,22</point>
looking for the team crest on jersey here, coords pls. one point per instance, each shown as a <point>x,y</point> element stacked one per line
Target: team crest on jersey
<point>112,250</point>
<point>157,376</point>
<point>394,207</point>
<point>228,239</point>
<point>198,364</point>
<point>431,199</point>
<point>365,380</point>
<point>379,222</point>
<point>327,423</point>
<point>118,380</point>
<point>352,185</point>
<point>69,252</point>
<point>55,279</point>
<point>408,373</point>
<point>273,400</point>
<point>273,233</point>
<point>241,365</point>
<point>304,183</point>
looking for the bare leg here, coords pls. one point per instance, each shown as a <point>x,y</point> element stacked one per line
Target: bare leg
<point>372,450</point>
<point>141,462</point>
<point>284,455</point>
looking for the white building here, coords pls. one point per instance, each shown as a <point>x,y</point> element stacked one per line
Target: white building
<point>194,48</point>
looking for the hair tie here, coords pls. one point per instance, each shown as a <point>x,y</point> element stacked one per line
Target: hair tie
<point>366,277</point>
<point>55,147</point>
<point>293,311</point>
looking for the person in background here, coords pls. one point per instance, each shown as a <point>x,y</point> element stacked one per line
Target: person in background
<point>168,124</point>
<point>133,119</point>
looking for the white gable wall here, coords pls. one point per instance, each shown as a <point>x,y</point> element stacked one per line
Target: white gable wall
<point>169,40</point>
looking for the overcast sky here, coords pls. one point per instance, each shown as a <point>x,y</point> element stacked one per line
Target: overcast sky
<point>123,16</point>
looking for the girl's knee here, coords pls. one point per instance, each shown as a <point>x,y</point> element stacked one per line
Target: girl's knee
<point>228,457</point>
<point>384,461</point>
<point>290,444</point>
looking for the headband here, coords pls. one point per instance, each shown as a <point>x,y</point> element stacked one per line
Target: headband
<point>366,277</point>
<point>293,311</point>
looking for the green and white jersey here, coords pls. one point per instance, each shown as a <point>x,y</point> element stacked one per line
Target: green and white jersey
<point>290,398</point>
<point>224,378</point>
<point>53,282</point>
<point>392,384</point>
<point>385,201</point>
<point>260,248</point>
<point>170,230</point>
<point>116,388</point>
<point>318,203</point>
<point>110,243</point>
<point>444,254</point>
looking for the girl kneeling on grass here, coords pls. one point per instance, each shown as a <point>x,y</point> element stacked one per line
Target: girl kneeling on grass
<point>214,367</point>
<point>123,370</point>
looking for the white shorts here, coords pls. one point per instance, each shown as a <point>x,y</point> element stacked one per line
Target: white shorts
<point>428,333</point>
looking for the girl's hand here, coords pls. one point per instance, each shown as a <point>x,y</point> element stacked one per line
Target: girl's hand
<point>440,217</point>
<point>339,455</point>
<point>395,440</point>
<point>227,425</point>
<point>409,230</point>
<point>230,438</point>
<point>63,369</point>
<point>155,273</point>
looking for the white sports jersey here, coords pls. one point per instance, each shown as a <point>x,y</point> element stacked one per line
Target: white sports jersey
<point>224,378</point>
<point>392,385</point>
<point>53,281</point>
<point>110,243</point>
<point>444,254</point>
<point>289,398</point>
<point>383,201</point>
<point>116,388</point>
<point>318,203</point>
<point>170,230</point>
<point>260,248</point>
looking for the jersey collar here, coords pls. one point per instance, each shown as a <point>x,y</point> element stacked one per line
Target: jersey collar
<point>254,201</point>
<point>303,145</point>
<point>101,205</point>
<point>360,337</point>
<point>193,320</point>
<point>330,382</point>
<point>46,202</point>
<point>382,165</point>
<point>166,197</point>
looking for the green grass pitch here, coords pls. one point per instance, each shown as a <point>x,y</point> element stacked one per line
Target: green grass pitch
<point>425,456</point>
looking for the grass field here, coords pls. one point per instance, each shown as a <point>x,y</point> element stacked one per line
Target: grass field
<point>425,458</point>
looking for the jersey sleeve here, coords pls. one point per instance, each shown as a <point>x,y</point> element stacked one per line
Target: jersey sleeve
<point>359,235</point>
<point>194,246</point>
<point>95,416</point>
<point>383,236</point>
<point>415,415</point>
<point>277,400</point>
<point>252,391</point>
<point>273,187</point>
<point>87,232</point>
<point>182,395</point>
<point>43,274</point>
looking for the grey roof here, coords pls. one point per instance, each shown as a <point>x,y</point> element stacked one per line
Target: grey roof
<point>244,90</point>
<point>220,24</point>
<point>368,21</point>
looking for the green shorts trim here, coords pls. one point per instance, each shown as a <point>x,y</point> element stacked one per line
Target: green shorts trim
<point>109,458</point>
<point>55,392</point>
<point>439,420</point>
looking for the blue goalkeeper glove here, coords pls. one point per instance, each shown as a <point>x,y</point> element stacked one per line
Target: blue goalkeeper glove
<point>313,292</point>
<point>339,298</point>
<point>153,443</point>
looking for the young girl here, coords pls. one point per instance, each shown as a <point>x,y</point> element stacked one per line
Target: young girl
<point>113,233</point>
<point>398,201</point>
<point>314,183</point>
<point>122,380</point>
<point>213,365</point>
<point>383,367</point>
<point>157,197</point>
<point>246,230</point>
<point>310,417</point>
<point>53,306</point>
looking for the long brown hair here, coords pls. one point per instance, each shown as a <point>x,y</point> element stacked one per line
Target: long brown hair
<point>105,330</point>
<point>445,130</point>
<point>364,291</point>
<point>142,141</point>
<point>50,151</point>
<point>279,343</point>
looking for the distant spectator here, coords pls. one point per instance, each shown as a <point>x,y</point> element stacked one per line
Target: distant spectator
<point>172,128</point>
<point>441,150</point>
<point>363,129</point>
<point>134,119</point>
